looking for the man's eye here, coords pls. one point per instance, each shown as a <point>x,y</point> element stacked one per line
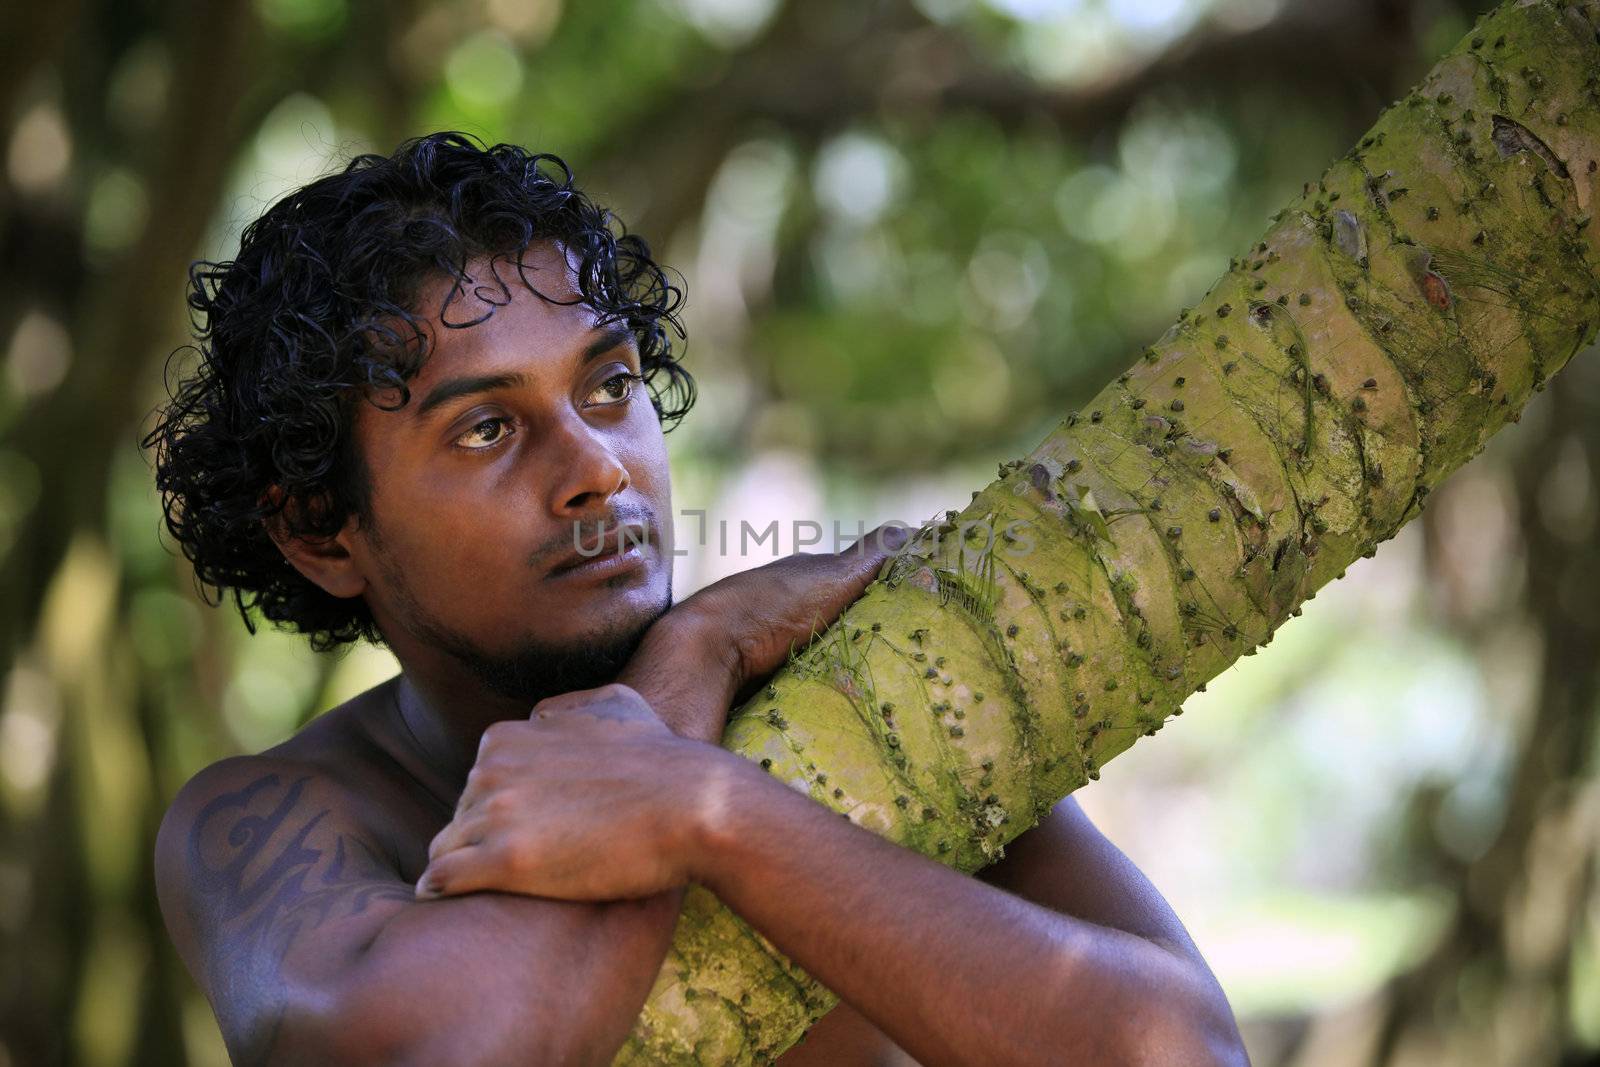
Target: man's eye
<point>485,434</point>
<point>615,389</point>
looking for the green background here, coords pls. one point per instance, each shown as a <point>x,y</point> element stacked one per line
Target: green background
<point>913,235</point>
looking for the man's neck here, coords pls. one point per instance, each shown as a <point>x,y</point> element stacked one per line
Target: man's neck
<point>445,720</point>
<point>445,703</point>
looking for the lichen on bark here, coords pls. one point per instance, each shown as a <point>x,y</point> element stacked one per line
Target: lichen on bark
<point>1398,313</point>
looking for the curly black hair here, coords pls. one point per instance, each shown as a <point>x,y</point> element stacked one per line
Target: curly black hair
<point>317,311</point>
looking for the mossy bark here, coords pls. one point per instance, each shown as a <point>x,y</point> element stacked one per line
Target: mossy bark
<point>1396,315</point>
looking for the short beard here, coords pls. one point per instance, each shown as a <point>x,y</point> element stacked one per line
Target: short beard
<point>536,669</point>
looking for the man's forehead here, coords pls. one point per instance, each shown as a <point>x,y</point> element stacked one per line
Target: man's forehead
<point>466,321</point>
<point>485,283</point>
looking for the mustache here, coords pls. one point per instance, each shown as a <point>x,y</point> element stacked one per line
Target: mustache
<point>587,535</point>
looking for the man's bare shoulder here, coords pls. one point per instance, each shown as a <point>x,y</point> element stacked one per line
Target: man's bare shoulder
<point>285,856</point>
<point>321,762</point>
<point>249,840</point>
<point>1066,864</point>
<point>339,742</point>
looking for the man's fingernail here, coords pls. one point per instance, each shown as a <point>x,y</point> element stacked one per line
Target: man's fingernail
<point>427,888</point>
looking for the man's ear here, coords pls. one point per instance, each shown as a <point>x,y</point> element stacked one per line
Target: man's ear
<point>325,561</point>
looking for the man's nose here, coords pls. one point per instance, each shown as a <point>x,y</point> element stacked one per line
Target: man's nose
<point>588,471</point>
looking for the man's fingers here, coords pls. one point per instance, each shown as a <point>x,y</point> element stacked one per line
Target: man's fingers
<point>879,542</point>
<point>614,701</point>
<point>850,572</point>
<point>459,833</point>
<point>464,870</point>
<point>850,580</point>
<point>470,796</point>
<point>865,557</point>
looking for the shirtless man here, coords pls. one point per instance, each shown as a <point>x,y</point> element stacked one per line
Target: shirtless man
<point>428,385</point>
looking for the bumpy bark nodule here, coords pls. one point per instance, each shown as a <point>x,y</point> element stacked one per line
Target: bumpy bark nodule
<point>1397,314</point>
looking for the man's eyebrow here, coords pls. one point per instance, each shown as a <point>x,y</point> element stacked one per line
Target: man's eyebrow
<point>612,339</point>
<point>615,337</point>
<point>482,383</point>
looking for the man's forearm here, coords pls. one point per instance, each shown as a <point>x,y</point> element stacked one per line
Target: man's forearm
<point>488,979</point>
<point>578,973</point>
<point>954,970</point>
<point>693,702</point>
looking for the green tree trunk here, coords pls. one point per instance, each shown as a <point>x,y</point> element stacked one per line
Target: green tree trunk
<point>1396,315</point>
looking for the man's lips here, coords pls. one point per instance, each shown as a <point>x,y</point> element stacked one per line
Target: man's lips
<point>615,549</point>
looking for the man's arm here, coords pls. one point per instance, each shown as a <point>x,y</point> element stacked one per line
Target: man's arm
<point>954,970</point>
<point>1067,865</point>
<point>313,950</point>
<point>1064,864</point>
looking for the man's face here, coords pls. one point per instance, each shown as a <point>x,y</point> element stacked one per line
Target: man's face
<point>525,435</point>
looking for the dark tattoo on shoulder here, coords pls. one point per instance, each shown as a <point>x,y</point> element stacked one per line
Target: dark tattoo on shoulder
<point>264,876</point>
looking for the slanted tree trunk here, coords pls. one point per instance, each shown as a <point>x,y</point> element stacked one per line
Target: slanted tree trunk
<point>1397,314</point>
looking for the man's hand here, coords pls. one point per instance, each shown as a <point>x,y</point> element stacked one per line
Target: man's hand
<point>589,799</point>
<point>767,612</point>
<point>715,646</point>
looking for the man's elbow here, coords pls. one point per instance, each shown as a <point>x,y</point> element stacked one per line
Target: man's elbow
<point>352,1027</point>
<point>1213,1041</point>
<point>1185,1031</point>
<point>368,1026</point>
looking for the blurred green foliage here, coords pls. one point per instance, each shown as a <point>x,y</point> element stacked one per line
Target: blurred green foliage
<point>914,233</point>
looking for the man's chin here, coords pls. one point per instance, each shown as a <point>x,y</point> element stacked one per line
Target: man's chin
<point>543,665</point>
<point>540,669</point>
